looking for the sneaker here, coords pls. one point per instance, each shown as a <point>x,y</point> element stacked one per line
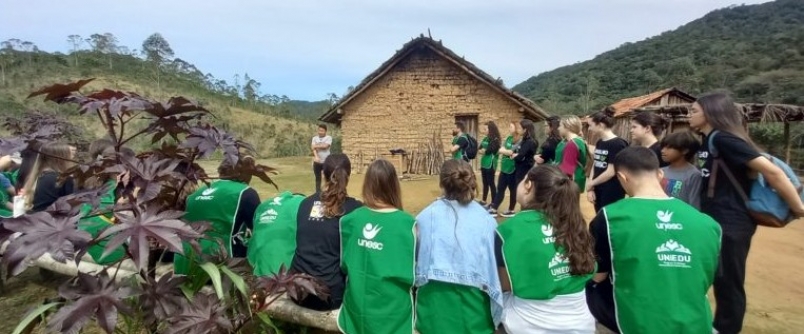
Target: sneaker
<point>508,214</point>
<point>492,212</point>
<point>483,203</point>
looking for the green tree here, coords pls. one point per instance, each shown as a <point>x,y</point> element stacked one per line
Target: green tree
<point>105,44</point>
<point>156,50</point>
<point>75,44</point>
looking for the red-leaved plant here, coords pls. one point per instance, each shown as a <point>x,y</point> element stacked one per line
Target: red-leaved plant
<point>148,214</point>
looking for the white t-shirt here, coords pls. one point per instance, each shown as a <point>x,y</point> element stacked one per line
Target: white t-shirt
<point>564,314</point>
<point>322,153</point>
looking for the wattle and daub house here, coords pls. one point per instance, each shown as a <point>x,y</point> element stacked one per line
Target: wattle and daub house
<point>412,101</point>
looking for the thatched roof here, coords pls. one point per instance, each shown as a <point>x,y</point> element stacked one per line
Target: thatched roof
<point>754,112</point>
<point>626,106</point>
<point>530,109</point>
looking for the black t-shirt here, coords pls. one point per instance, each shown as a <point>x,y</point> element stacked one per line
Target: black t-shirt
<point>657,149</point>
<point>727,207</point>
<point>605,150</point>
<point>249,201</point>
<point>549,149</point>
<point>318,246</point>
<point>48,190</point>
<point>600,232</point>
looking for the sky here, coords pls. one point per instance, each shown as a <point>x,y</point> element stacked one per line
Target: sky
<point>306,49</point>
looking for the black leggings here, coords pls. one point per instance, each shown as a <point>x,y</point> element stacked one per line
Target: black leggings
<point>488,183</point>
<point>505,181</point>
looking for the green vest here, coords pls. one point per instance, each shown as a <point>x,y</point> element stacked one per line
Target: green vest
<point>378,253</point>
<point>457,155</point>
<point>537,270</point>
<point>95,225</point>
<point>664,255</point>
<point>580,174</point>
<point>217,204</point>
<point>488,160</point>
<point>507,165</point>
<point>273,240</point>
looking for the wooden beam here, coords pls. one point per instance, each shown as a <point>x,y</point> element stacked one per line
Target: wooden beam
<point>787,142</point>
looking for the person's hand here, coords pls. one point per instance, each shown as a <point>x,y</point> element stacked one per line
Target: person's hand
<point>513,155</point>
<point>538,159</point>
<point>799,212</point>
<point>316,160</point>
<point>590,195</point>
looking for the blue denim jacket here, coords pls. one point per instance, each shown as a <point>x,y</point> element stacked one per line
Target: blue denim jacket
<point>456,245</point>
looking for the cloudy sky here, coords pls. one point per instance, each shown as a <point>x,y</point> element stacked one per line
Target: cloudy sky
<point>306,49</point>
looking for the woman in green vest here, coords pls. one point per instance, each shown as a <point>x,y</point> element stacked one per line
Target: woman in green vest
<point>378,252</point>
<point>228,205</point>
<point>545,257</point>
<point>490,147</point>
<point>507,178</point>
<point>459,288</point>
<point>572,153</point>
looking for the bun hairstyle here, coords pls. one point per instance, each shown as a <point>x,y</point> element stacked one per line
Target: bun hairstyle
<point>656,122</point>
<point>381,186</point>
<point>556,197</point>
<point>458,181</point>
<point>337,169</point>
<point>605,117</point>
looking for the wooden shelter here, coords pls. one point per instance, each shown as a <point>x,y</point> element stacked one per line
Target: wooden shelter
<point>412,101</point>
<point>625,108</point>
<point>753,112</point>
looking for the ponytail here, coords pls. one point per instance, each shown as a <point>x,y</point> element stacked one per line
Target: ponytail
<point>555,195</point>
<point>336,175</point>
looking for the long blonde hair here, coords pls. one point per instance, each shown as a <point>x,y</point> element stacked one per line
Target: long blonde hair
<point>56,157</point>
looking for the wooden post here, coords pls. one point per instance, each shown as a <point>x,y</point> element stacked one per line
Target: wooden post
<point>787,142</point>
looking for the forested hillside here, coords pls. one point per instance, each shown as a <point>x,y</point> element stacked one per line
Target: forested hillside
<point>277,125</point>
<point>757,52</point>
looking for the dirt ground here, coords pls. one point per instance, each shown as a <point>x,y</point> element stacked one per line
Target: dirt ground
<point>775,264</point>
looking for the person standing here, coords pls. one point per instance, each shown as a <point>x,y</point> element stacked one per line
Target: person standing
<point>490,147</point>
<point>507,178</point>
<point>656,256</point>
<point>681,179</point>
<point>571,154</point>
<point>646,128</point>
<point>548,152</point>
<point>603,188</point>
<point>460,142</point>
<point>716,115</point>
<point>524,157</point>
<point>320,146</point>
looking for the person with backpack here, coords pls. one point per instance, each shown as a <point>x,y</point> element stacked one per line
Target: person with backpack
<point>524,157</point>
<point>507,178</point>
<point>603,187</point>
<point>572,152</point>
<point>727,157</point>
<point>273,240</point>
<point>378,256</point>
<point>464,146</point>
<point>490,146</point>
<point>656,256</point>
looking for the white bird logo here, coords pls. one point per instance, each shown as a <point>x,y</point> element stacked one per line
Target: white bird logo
<point>370,231</point>
<point>547,230</point>
<point>208,191</point>
<point>664,216</point>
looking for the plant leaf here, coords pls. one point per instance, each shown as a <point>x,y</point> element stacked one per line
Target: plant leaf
<point>238,281</point>
<point>90,296</point>
<point>267,322</point>
<point>42,232</point>
<point>57,92</point>
<point>32,316</point>
<point>215,276</point>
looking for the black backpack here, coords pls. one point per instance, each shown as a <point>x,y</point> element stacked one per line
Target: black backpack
<point>470,152</point>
